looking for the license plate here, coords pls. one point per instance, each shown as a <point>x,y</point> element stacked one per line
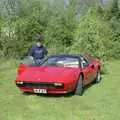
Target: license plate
<point>40,91</point>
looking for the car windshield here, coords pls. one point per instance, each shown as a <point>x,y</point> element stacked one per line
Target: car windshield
<point>28,61</point>
<point>61,62</point>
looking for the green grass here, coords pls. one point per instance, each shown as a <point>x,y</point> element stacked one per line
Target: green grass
<point>99,102</point>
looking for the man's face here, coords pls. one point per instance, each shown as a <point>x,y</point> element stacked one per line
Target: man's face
<point>38,44</point>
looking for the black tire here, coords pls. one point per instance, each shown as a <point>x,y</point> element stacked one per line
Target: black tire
<point>79,87</point>
<point>98,77</point>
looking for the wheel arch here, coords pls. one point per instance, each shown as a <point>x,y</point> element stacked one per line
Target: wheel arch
<point>82,75</point>
<point>76,86</point>
<point>99,68</point>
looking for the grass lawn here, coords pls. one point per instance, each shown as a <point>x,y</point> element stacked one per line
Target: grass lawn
<point>99,102</point>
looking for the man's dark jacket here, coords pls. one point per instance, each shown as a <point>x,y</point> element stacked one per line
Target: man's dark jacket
<point>38,52</point>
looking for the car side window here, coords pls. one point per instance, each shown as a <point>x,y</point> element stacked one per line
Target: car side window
<point>84,62</point>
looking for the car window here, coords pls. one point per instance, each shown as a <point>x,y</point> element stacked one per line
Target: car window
<point>28,61</point>
<point>88,58</point>
<point>84,62</point>
<point>61,62</point>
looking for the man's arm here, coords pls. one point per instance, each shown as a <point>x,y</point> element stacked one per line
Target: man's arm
<point>45,51</point>
<point>31,52</point>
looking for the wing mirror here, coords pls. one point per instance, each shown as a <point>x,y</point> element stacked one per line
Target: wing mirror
<point>85,64</point>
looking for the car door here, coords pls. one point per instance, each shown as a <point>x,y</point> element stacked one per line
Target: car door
<point>88,70</point>
<point>92,66</point>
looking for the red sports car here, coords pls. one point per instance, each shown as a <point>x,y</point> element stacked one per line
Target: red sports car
<point>59,74</point>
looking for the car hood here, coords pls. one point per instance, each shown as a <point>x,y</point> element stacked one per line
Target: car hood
<point>48,74</point>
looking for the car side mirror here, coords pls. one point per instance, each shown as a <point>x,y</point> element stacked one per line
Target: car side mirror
<point>85,64</point>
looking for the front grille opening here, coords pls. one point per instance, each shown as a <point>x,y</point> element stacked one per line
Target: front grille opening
<point>40,85</point>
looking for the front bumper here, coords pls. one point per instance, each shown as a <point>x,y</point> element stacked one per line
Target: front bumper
<point>49,91</point>
<point>48,88</point>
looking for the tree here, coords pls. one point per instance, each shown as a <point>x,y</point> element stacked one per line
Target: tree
<point>9,9</point>
<point>114,10</point>
<point>91,36</point>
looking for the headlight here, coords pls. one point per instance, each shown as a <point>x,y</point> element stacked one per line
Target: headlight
<point>19,83</point>
<point>58,84</point>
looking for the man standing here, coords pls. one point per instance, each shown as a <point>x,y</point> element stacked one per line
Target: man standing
<point>38,51</point>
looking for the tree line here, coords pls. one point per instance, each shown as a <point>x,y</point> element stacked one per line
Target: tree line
<point>68,26</point>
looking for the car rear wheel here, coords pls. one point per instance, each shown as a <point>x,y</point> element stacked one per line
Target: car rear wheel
<point>98,77</point>
<point>79,88</point>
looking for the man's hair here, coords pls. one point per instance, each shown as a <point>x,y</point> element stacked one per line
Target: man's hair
<point>39,38</point>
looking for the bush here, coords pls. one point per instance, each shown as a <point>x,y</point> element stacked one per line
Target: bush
<point>90,36</point>
<point>96,33</point>
<point>59,33</point>
<point>24,32</point>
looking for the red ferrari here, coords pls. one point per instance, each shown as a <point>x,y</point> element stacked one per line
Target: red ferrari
<point>59,74</point>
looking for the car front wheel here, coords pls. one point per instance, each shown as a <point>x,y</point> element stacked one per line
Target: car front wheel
<point>79,87</point>
<point>98,77</point>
